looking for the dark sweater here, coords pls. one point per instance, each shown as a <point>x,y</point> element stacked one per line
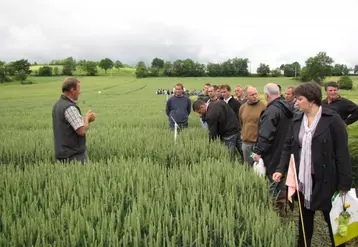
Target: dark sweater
<point>344,107</point>
<point>67,142</point>
<point>235,106</point>
<point>179,108</point>
<point>221,119</point>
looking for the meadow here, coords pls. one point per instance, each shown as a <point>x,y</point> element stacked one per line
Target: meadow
<point>139,188</point>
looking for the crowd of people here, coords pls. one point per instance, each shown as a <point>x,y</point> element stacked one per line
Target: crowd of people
<point>299,123</point>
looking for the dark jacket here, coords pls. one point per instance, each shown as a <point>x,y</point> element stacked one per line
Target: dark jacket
<point>67,142</point>
<point>273,126</point>
<point>221,119</point>
<point>235,106</point>
<point>344,107</point>
<point>330,157</point>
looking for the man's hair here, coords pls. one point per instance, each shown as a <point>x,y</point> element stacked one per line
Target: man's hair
<point>207,84</point>
<point>279,87</point>
<point>215,87</point>
<point>179,85</point>
<point>292,88</point>
<point>310,90</point>
<point>330,84</point>
<point>247,87</point>
<point>272,89</point>
<point>197,104</point>
<point>69,83</point>
<point>226,86</point>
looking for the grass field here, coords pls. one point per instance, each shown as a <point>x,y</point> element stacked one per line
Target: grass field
<point>139,184</point>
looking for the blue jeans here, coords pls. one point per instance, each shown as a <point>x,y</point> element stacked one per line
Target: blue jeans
<point>234,143</point>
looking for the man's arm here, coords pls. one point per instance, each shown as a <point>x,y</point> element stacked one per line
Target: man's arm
<point>167,108</point>
<point>240,113</point>
<point>342,157</point>
<point>78,123</point>
<point>189,106</point>
<point>352,110</point>
<point>266,133</point>
<point>213,124</point>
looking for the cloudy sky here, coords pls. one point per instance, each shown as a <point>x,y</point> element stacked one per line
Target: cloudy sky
<point>267,31</point>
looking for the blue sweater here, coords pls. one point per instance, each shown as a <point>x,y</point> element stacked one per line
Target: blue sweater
<point>179,108</point>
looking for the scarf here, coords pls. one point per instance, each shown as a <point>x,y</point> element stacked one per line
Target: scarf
<point>305,170</point>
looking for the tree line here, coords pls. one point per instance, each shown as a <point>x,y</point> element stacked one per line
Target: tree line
<point>316,68</point>
<point>19,70</point>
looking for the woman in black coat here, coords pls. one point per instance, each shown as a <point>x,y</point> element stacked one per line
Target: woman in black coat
<point>318,140</point>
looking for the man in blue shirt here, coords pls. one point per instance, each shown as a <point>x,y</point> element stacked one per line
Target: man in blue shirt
<point>178,108</point>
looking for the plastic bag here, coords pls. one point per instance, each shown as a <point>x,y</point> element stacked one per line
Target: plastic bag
<point>344,217</point>
<point>259,168</point>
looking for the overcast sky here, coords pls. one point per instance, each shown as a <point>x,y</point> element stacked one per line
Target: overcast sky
<point>273,32</point>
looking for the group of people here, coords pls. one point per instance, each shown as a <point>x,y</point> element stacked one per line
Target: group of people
<point>299,123</point>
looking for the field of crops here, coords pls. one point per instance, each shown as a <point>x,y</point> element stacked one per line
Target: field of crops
<point>140,188</point>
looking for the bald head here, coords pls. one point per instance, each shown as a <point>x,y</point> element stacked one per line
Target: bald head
<point>251,94</point>
<point>272,91</point>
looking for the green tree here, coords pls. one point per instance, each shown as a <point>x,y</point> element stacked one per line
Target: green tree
<point>3,74</point>
<point>168,69</point>
<point>141,70</point>
<point>106,64</point>
<point>317,68</point>
<point>69,66</point>
<point>188,67</point>
<point>291,70</point>
<point>90,67</point>
<point>45,71</point>
<point>276,72</point>
<point>355,70</point>
<point>157,63</point>
<point>214,69</point>
<point>56,71</point>
<point>263,70</point>
<point>178,68</point>
<point>118,64</point>
<point>153,71</point>
<point>21,65</point>
<point>345,82</point>
<point>340,69</point>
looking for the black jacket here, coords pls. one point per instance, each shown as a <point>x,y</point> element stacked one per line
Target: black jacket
<point>221,119</point>
<point>330,157</point>
<point>235,106</point>
<point>344,107</point>
<point>273,126</point>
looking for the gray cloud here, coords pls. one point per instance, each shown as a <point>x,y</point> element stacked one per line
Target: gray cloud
<point>272,32</point>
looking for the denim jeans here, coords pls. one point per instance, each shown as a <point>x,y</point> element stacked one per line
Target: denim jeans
<point>234,144</point>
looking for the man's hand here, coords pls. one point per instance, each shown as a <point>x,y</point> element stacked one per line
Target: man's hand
<point>90,116</point>
<point>256,157</point>
<point>93,117</point>
<point>277,177</point>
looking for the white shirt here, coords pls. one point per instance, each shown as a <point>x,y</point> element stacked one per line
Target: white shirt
<point>227,100</point>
